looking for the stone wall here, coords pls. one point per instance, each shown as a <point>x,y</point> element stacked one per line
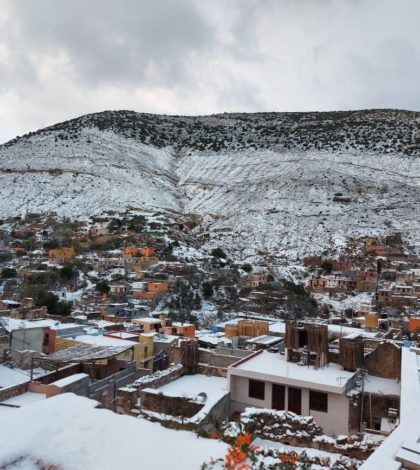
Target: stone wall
<point>127,397</point>
<point>211,370</point>
<point>302,431</point>
<point>173,406</point>
<point>159,378</point>
<point>22,359</point>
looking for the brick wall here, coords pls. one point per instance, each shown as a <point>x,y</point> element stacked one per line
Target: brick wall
<point>384,361</point>
<point>62,373</point>
<point>221,357</point>
<point>48,389</point>
<point>10,392</point>
<point>127,397</point>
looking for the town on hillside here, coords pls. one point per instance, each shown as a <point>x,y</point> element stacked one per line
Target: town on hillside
<point>320,357</point>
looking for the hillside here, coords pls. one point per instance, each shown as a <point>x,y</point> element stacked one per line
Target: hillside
<point>267,185</point>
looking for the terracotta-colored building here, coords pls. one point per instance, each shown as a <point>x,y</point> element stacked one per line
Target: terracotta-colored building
<point>160,287</point>
<point>180,329</point>
<point>374,248</point>
<point>61,255</point>
<point>414,324</point>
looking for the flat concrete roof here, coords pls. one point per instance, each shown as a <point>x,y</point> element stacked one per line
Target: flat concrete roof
<point>273,367</point>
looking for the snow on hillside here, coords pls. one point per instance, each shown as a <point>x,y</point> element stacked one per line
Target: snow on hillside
<point>289,203</point>
<point>99,171</point>
<point>268,186</point>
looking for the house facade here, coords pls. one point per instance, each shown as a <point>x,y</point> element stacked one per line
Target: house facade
<point>267,380</point>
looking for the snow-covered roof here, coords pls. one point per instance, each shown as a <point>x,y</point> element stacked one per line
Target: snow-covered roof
<point>64,326</point>
<point>10,377</point>
<point>191,385</point>
<point>100,340</point>
<point>177,323</point>
<point>79,437</point>
<point>88,353</point>
<point>348,330</point>
<point>381,386</point>
<point>161,338</point>
<point>212,338</point>
<point>69,380</point>
<point>264,339</point>
<point>273,367</point>
<point>148,320</point>
<point>123,335</point>
<point>11,324</point>
<point>278,327</point>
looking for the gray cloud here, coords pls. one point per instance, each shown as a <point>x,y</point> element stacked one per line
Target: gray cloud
<point>121,42</point>
<point>60,59</point>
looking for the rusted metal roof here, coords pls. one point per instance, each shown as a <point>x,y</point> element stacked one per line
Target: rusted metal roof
<point>88,353</point>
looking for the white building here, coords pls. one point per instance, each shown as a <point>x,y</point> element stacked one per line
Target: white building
<point>267,380</point>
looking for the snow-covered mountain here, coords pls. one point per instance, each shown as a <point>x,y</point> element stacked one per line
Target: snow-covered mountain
<point>268,184</point>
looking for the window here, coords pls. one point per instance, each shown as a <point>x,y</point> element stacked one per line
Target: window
<point>318,401</point>
<point>256,389</point>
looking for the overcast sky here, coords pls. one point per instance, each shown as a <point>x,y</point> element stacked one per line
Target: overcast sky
<point>63,58</point>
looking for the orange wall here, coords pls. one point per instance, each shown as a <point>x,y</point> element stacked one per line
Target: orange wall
<point>157,286</point>
<point>414,324</point>
<point>61,253</point>
<point>188,331</point>
<point>147,251</point>
<point>144,295</point>
<point>371,320</point>
<point>130,251</point>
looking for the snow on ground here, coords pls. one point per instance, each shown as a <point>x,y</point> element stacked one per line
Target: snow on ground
<point>381,386</point>
<point>207,315</point>
<point>25,399</point>
<point>344,302</point>
<point>77,436</point>
<point>191,385</point>
<point>10,377</point>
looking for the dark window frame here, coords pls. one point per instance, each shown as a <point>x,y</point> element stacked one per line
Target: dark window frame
<point>255,387</point>
<point>318,401</point>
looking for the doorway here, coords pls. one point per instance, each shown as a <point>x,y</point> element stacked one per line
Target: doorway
<point>295,400</point>
<point>278,395</point>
